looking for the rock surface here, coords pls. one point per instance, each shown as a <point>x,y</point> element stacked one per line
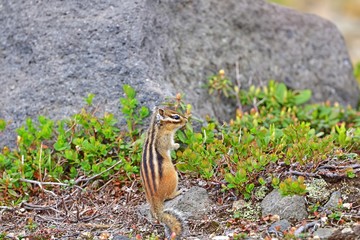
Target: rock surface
<point>334,200</point>
<point>324,233</point>
<point>290,208</point>
<point>54,54</point>
<point>347,233</point>
<point>279,226</point>
<point>194,203</point>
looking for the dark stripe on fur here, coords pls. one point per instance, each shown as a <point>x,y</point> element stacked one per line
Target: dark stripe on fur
<point>145,173</point>
<point>151,159</point>
<point>160,160</point>
<point>147,159</point>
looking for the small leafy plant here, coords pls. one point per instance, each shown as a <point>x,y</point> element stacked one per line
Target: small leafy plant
<point>277,128</point>
<point>85,144</point>
<point>291,186</point>
<point>133,115</point>
<point>274,127</point>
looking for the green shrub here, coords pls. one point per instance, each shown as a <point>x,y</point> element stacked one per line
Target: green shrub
<point>84,144</point>
<point>272,126</point>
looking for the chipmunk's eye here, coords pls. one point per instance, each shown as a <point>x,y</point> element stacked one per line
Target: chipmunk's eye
<point>175,116</point>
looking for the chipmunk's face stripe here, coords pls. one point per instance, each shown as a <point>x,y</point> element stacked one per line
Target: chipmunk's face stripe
<point>175,116</point>
<point>175,119</point>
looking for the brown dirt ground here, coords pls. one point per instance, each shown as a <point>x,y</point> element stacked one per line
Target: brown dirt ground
<point>105,209</point>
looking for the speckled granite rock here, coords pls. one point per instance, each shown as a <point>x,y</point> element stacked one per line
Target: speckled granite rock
<point>52,54</point>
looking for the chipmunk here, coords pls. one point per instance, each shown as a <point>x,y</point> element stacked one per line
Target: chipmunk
<point>158,174</point>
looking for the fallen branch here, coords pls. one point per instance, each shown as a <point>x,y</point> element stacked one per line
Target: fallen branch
<point>305,174</point>
<point>43,183</point>
<point>95,225</point>
<point>336,175</point>
<point>77,181</point>
<point>96,175</point>
<point>39,207</point>
<point>303,228</point>
<point>353,166</point>
<point>40,184</point>
<point>7,208</point>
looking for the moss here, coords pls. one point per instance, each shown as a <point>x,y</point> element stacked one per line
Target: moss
<point>260,192</point>
<point>317,190</point>
<point>246,210</point>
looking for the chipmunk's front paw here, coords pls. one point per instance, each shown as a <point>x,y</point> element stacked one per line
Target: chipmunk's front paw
<point>176,146</point>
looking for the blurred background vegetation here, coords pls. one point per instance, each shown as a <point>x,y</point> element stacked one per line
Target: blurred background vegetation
<point>345,14</point>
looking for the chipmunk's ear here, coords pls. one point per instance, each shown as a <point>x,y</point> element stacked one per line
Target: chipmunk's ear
<point>160,115</point>
<point>161,112</point>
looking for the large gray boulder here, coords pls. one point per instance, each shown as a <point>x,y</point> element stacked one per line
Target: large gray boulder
<point>52,54</point>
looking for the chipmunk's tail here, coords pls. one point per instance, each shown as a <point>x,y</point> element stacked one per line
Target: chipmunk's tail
<point>172,221</point>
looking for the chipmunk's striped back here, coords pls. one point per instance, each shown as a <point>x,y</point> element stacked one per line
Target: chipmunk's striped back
<point>158,174</point>
<point>150,164</point>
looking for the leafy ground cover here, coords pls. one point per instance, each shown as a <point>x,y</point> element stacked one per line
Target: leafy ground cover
<point>79,177</point>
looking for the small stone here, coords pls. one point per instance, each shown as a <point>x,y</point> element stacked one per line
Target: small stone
<point>202,183</point>
<point>274,218</point>
<point>118,237</point>
<point>356,229</point>
<point>279,226</point>
<point>347,231</point>
<point>194,203</point>
<point>324,220</point>
<point>104,236</point>
<point>10,235</point>
<point>333,201</point>
<point>290,208</point>
<point>86,234</point>
<point>239,204</point>
<point>220,238</point>
<point>324,233</point>
<point>347,205</point>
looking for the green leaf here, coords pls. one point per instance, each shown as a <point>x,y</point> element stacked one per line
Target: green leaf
<point>303,97</point>
<point>144,112</point>
<point>2,125</point>
<point>73,172</point>
<point>229,178</point>
<point>262,181</point>
<point>85,166</point>
<point>129,91</point>
<point>181,136</point>
<point>13,193</point>
<point>249,187</point>
<point>350,173</point>
<point>89,99</point>
<point>70,154</point>
<point>275,182</point>
<point>240,176</point>
<point>96,168</point>
<point>357,71</point>
<point>247,195</point>
<point>281,93</point>
<point>61,145</point>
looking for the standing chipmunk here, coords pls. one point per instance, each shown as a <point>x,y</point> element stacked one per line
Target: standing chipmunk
<point>158,174</point>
